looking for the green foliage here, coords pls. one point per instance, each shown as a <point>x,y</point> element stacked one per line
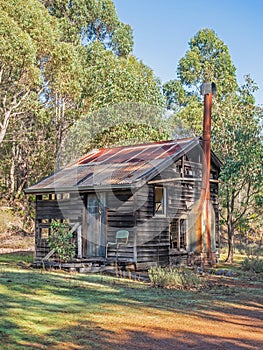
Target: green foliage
<point>236,124</point>
<point>92,21</point>
<point>252,264</point>
<point>175,94</point>
<point>61,240</point>
<point>122,42</point>
<point>190,115</point>
<point>179,278</point>
<point>207,59</point>
<point>65,71</point>
<point>120,124</point>
<point>22,54</point>
<point>28,35</point>
<point>59,60</point>
<point>128,133</point>
<point>242,175</point>
<point>111,80</point>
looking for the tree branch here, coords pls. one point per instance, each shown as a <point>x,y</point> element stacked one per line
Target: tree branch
<point>246,205</point>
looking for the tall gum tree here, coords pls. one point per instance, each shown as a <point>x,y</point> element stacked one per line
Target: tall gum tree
<point>58,61</point>
<point>236,126</point>
<point>111,74</point>
<point>92,21</point>
<point>241,149</point>
<point>34,65</point>
<point>27,37</point>
<point>111,79</point>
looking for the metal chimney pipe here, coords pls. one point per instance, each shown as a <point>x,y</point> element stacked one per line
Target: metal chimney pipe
<point>207,90</point>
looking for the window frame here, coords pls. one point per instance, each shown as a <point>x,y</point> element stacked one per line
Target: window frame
<point>178,236</point>
<point>163,202</point>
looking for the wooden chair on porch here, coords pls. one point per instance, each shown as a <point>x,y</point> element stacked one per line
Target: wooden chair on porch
<point>121,238</point>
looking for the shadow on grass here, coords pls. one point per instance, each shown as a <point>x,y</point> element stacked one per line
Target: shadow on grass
<point>14,257</point>
<point>92,336</point>
<point>56,310</point>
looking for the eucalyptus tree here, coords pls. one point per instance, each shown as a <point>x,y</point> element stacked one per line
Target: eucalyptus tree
<point>27,38</point>
<point>111,80</point>
<point>92,21</point>
<point>207,59</point>
<point>111,74</point>
<point>27,149</point>
<point>235,122</point>
<point>242,154</point>
<point>34,65</point>
<point>64,78</point>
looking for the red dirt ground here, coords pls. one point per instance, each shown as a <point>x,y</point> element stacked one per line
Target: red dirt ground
<point>221,325</point>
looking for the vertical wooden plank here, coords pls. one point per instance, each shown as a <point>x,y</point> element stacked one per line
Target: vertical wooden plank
<point>37,229</point>
<point>79,241</point>
<point>135,214</point>
<point>103,213</point>
<point>84,226</point>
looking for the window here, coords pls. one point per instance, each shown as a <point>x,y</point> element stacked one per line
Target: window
<point>43,228</point>
<point>45,232</point>
<point>159,200</point>
<point>182,233</point>
<point>178,231</point>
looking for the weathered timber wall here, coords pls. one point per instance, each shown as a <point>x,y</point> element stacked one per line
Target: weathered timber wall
<point>59,209</point>
<point>152,231</point>
<point>54,209</point>
<point>120,215</point>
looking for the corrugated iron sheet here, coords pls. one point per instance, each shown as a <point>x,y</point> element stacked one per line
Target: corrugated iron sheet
<point>117,166</point>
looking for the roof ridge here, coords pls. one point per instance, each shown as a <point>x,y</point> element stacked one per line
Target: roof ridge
<point>184,139</point>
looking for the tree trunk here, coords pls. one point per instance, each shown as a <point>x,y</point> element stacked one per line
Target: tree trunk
<point>230,225</point>
<point>230,241</point>
<point>4,125</point>
<point>12,170</point>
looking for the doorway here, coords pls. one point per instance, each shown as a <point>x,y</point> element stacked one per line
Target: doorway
<point>96,225</point>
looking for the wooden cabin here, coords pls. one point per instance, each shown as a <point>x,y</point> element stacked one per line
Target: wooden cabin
<point>149,191</point>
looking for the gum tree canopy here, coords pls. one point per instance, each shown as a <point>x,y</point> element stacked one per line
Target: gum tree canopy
<point>28,36</point>
<point>92,21</point>
<point>236,124</point>
<point>60,60</point>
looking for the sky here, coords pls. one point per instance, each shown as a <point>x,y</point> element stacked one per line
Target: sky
<point>162,30</point>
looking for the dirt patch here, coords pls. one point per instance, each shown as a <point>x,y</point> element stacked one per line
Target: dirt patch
<point>233,322</point>
<point>13,236</point>
<point>235,282</point>
<point>227,315</point>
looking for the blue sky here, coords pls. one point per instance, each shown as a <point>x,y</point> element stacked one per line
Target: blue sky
<point>163,28</point>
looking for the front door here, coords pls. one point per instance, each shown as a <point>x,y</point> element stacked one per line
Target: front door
<point>96,224</point>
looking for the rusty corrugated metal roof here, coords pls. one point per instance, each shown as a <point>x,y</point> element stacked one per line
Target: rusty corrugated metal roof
<point>121,166</point>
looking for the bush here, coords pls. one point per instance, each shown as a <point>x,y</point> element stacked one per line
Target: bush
<point>179,278</point>
<point>253,264</point>
<point>61,240</point>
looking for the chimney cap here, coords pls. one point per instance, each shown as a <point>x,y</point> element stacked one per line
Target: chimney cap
<point>208,88</point>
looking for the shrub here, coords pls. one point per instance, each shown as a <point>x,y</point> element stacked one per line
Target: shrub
<point>253,264</point>
<point>179,278</point>
<point>61,241</point>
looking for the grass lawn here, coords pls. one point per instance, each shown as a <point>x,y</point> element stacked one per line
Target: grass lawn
<point>60,310</point>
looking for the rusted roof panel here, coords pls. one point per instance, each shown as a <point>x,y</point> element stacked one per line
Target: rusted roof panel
<point>117,166</point>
